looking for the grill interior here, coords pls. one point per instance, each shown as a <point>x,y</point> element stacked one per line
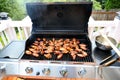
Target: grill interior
<point>66,57</point>
<point>60,21</point>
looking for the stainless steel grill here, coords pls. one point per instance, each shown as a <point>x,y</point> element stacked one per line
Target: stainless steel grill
<point>56,20</point>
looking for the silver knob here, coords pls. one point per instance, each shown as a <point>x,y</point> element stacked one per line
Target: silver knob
<point>29,70</point>
<point>37,73</point>
<point>64,72</point>
<point>82,72</point>
<point>46,71</point>
<point>2,69</point>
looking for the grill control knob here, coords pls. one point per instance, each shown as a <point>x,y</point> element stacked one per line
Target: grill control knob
<point>37,73</point>
<point>82,72</point>
<point>64,72</point>
<point>46,71</point>
<point>29,70</point>
<point>2,69</point>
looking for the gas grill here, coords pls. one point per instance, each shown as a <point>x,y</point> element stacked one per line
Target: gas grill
<point>61,21</point>
<point>56,21</point>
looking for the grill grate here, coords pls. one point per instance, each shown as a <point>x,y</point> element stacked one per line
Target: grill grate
<point>66,57</point>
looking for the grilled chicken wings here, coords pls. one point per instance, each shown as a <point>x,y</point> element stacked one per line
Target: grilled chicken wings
<point>58,47</point>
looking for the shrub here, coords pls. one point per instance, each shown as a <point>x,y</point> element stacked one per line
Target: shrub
<point>112,4</point>
<point>13,8</point>
<point>96,5</point>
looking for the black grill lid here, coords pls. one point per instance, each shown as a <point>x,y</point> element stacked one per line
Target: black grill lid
<point>59,17</point>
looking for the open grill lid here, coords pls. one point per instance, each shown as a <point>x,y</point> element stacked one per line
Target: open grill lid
<point>59,17</point>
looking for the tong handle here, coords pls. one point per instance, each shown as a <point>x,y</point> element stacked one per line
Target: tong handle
<point>110,62</point>
<point>106,59</point>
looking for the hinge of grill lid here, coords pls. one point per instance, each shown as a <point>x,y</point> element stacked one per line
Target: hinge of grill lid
<point>65,32</point>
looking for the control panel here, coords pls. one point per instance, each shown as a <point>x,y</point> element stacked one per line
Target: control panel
<point>57,70</point>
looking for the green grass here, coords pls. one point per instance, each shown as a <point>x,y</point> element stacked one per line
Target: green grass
<point>2,41</point>
<point>119,45</point>
<point>18,36</point>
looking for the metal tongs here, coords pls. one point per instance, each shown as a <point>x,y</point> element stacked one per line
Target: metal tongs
<point>115,49</point>
<point>107,59</point>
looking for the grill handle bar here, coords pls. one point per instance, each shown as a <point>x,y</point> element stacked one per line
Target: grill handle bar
<point>107,59</point>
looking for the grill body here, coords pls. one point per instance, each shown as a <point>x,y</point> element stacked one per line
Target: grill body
<point>56,20</point>
<point>59,21</point>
